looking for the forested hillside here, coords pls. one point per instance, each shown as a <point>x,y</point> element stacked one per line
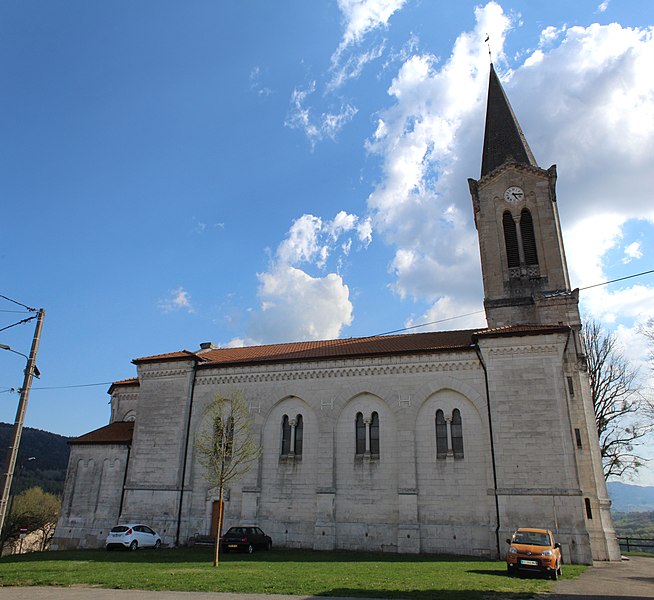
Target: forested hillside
<point>42,459</point>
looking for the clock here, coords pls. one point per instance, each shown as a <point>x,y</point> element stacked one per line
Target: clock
<point>514,194</point>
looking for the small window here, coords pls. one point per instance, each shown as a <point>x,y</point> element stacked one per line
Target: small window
<point>374,434</point>
<point>286,436</point>
<point>578,438</point>
<point>360,427</point>
<point>441,435</point>
<point>298,434</point>
<point>589,510</point>
<point>457,434</point>
<point>571,387</point>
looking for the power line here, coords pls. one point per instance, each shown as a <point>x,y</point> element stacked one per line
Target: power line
<point>19,303</point>
<point>481,311</point>
<point>619,279</point>
<point>65,387</point>
<point>430,323</point>
<point>19,323</point>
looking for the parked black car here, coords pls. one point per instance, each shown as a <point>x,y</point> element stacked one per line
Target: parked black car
<point>248,539</point>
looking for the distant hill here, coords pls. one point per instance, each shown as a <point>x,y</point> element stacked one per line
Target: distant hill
<point>630,498</point>
<point>48,467</point>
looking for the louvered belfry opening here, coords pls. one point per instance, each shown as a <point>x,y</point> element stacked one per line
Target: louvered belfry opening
<point>528,238</point>
<point>511,240</point>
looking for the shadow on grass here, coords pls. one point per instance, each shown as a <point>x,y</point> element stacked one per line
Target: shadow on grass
<point>204,555</point>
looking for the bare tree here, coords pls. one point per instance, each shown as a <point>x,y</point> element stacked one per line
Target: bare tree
<point>623,415</point>
<point>225,448</point>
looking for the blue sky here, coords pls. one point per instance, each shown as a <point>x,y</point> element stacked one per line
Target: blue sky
<point>255,172</point>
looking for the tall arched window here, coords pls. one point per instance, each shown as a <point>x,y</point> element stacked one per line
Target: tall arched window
<point>360,427</point>
<point>528,238</point>
<point>286,436</point>
<point>374,434</point>
<point>511,240</point>
<point>299,426</point>
<point>441,435</point>
<point>457,434</point>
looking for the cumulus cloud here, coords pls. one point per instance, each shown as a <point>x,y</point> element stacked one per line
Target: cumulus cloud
<point>178,299</point>
<point>593,114</point>
<point>632,252</point>
<point>297,305</point>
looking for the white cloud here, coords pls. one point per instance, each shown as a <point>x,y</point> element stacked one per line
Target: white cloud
<point>429,145</point>
<point>317,128</point>
<point>585,99</point>
<point>178,299</point>
<point>632,252</point>
<point>362,16</point>
<point>603,6</point>
<point>295,305</point>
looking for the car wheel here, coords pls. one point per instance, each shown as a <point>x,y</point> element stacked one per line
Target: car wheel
<point>250,548</point>
<point>134,545</point>
<point>269,546</point>
<point>554,574</point>
<point>157,545</point>
<point>109,548</point>
<point>510,570</point>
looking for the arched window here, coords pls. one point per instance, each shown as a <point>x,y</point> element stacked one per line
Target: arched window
<point>528,238</point>
<point>360,427</point>
<point>286,436</point>
<point>511,240</point>
<point>457,434</point>
<point>441,435</point>
<point>298,434</point>
<point>374,434</point>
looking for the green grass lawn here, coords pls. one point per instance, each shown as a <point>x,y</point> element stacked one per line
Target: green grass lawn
<point>276,572</point>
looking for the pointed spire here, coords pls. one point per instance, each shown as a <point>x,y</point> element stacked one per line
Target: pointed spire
<point>503,138</point>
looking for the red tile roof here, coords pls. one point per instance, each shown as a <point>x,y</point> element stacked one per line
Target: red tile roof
<point>119,432</point>
<point>344,348</point>
<point>409,343</point>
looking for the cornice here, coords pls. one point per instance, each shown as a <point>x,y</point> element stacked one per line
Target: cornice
<point>513,350</point>
<point>262,374</point>
<point>160,373</point>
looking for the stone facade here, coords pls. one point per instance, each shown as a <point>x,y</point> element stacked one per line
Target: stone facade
<point>479,432</point>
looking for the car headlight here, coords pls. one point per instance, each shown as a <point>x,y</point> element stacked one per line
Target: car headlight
<point>547,553</point>
<point>512,550</point>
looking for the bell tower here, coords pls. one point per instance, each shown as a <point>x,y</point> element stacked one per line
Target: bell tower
<point>523,262</point>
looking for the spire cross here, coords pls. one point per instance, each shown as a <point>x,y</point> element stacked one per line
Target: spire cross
<point>487,42</point>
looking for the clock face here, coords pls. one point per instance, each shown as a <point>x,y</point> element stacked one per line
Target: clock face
<point>514,194</point>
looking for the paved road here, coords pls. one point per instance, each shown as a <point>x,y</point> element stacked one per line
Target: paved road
<point>627,580</point>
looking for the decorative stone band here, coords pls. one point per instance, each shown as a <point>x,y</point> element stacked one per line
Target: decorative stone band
<point>535,492</point>
<point>260,374</point>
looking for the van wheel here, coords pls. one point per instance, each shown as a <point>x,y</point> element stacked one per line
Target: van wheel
<point>555,574</point>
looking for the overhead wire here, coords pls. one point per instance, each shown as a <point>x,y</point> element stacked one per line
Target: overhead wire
<point>83,385</point>
<point>19,303</point>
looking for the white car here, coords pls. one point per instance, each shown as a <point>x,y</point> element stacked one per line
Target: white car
<point>133,536</point>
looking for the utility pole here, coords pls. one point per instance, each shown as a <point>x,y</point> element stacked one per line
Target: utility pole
<point>10,464</point>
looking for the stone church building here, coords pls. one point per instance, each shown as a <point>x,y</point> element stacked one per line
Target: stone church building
<point>418,443</point>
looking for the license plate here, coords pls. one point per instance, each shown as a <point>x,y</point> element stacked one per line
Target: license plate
<point>232,545</point>
<point>532,563</point>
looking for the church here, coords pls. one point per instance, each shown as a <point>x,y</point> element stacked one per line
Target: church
<point>440,442</point>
